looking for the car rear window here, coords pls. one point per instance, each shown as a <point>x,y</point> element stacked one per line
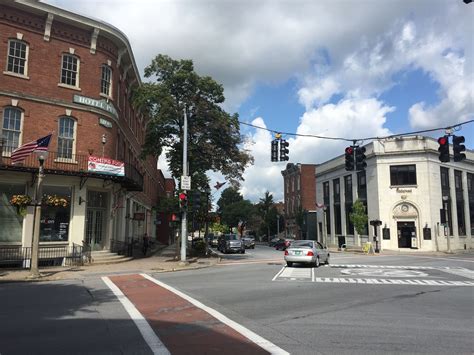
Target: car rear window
<point>302,244</point>
<point>231,237</point>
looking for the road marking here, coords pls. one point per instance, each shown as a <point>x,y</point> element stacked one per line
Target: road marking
<point>263,261</point>
<point>155,344</point>
<point>387,267</point>
<point>383,272</point>
<point>461,272</point>
<point>295,274</point>
<point>257,339</point>
<point>279,272</point>
<point>434,257</point>
<point>393,282</point>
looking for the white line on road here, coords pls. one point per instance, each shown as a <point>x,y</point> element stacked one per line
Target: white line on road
<point>257,339</point>
<point>155,344</point>
<point>279,272</point>
<point>393,282</point>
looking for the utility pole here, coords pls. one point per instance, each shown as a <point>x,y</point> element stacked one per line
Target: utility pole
<point>445,205</point>
<point>184,221</point>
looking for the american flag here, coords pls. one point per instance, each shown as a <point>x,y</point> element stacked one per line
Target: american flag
<point>21,153</point>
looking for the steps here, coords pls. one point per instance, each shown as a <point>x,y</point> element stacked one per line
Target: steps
<point>106,257</point>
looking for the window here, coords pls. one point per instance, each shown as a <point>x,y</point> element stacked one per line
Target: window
<point>470,196</point>
<point>348,203</point>
<point>11,128</point>
<point>17,57</point>
<point>55,214</point>
<point>403,175</point>
<point>70,70</point>
<point>106,81</point>
<point>66,137</point>
<point>459,202</point>
<point>446,202</point>
<point>328,209</point>
<point>10,220</point>
<point>337,206</point>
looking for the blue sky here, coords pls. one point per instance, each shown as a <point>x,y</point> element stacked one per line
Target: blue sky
<point>313,67</point>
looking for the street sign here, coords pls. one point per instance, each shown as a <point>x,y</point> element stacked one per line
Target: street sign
<point>185,182</point>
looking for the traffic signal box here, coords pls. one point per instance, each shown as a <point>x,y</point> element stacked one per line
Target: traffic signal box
<point>284,150</point>
<point>349,158</point>
<point>360,157</point>
<point>459,148</point>
<point>444,149</point>
<point>183,200</point>
<point>275,150</point>
<point>196,200</point>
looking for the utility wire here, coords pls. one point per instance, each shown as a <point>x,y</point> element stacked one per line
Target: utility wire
<point>458,125</point>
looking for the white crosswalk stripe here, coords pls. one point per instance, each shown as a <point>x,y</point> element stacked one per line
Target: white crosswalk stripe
<point>393,281</point>
<point>386,267</point>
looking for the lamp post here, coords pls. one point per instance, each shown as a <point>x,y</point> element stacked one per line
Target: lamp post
<point>34,271</point>
<point>445,206</point>
<point>104,140</point>
<point>184,220</point>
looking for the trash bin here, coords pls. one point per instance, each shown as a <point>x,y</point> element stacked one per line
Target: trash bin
<point>341,240</point>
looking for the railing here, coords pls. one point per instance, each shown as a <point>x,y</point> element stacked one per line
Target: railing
<point>20,257</point>
<point>75,164</point>
<point>122,247</point>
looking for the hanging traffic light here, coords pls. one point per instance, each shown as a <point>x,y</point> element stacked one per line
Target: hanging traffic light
<point>284,150</point>
<point>459,148</point>
<point>183,200</point>
<point>443,149</point>
<point>275,150</point>
<point>360,157</point>
<point>349,158</point>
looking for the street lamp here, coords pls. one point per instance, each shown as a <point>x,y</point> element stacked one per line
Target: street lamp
<point>445,206</point>
<point>34,271</point>
<point>104,140</point>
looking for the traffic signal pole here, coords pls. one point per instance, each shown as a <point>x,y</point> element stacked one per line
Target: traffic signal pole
<point>184,220</point>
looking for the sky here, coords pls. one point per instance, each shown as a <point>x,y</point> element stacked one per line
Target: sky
<point>338,68</point>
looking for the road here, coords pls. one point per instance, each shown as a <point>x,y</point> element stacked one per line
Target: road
<point>358,305</point>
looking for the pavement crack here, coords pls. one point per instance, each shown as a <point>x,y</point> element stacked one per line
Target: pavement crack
<point>416,294</point>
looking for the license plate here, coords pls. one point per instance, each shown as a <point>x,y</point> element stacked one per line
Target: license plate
<point>297,253</point>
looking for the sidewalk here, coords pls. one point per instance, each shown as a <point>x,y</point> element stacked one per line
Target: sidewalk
<point>162,261</point>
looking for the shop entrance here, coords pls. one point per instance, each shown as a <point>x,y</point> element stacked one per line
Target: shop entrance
<point>96,219</point>
<point>406,230</point>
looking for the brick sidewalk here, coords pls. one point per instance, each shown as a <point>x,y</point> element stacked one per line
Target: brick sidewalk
<point>163,261</point>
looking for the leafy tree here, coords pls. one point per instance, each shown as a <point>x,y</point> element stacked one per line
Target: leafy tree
<point>238,211</point>
<point>264,206</point>
<point>358,217</point>
<point>213,134</point>
<point>229,196</point>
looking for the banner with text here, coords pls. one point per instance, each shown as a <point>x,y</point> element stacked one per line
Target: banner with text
<point>106,166</point>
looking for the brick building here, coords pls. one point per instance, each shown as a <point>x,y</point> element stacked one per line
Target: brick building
<point>300,197</point>
<point>72,76</point>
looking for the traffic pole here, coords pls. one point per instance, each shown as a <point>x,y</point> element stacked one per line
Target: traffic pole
<point>184,221</point>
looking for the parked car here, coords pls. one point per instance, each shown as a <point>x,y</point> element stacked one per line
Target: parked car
<point>214,241</point>
<point>306,252</point>
<point>249,242</point>
<point>273,241</point>
<point>283,244</point>
<point>231,243</point>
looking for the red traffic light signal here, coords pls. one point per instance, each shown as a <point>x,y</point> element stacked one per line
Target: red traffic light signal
<point>443,149</point>
<point>183,200</point>
<point>349,158</point>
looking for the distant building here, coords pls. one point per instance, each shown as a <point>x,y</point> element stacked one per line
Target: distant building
<point>407,188</point>
<point>300,198</point>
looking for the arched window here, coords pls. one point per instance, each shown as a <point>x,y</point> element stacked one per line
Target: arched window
<point>66,137</point>
<point>11,127</point>
<point>17,57</point>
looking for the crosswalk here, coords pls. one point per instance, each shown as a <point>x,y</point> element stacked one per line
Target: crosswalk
<point>309,275</point>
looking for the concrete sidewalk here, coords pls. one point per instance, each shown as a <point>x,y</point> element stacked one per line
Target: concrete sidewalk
<point>162,261</point>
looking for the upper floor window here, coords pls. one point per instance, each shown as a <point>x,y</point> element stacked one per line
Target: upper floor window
<point>70,70</point>
<point>11,127</point>
<point>17,57</point>
<point>403,175</point>
<point>66,137</point>
<point>106,81</point>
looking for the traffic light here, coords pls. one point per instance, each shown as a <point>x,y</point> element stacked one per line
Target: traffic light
<point>349,158</point>
<point>275,150</point>
<point>443,149</point>
<point>459,148</point>
<point>183,200</point>
<point>196,201</point>
<point>284,150</point>
<point>360,163</point>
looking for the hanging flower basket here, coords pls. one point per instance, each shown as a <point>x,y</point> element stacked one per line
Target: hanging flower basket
<point>55,201</point>
<point>20,202</point>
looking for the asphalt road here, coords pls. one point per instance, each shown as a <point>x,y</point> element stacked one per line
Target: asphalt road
<point>329,310</point>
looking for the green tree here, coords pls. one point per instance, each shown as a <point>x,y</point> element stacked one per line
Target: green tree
<point>264,206</point>
<point>229,196</point>
<point>236,212</point>
<point>358,217</point>
<point>213,134</point>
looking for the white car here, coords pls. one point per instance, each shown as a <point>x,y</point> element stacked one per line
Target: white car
<point>306,252</point>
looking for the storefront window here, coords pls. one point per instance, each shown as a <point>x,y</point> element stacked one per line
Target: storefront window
<point>11,223</point>
<point>55,214</point>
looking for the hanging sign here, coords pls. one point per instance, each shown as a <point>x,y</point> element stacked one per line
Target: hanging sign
<point>106,166</point>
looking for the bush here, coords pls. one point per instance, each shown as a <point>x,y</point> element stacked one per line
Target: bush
<point>199,248</point>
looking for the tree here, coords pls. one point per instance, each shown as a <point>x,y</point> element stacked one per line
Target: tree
<point>213,134</point>
<point>229,196</point>
<point>236,212</point>
<point>299,218</point>
<point>358,217</point>
<point>264,206</point>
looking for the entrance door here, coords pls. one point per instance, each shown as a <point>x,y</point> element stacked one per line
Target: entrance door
<point>406,230</point>
<point>96,219</point>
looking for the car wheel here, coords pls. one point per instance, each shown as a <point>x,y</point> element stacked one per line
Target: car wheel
<point>327,259</point>
<point>253,247</point>
<point>316,263</point>
<point>289,264</point>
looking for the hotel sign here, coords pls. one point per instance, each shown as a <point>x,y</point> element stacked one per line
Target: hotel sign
<point>105,166</point>
<point>105,123</point>
<point>100,104</point>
